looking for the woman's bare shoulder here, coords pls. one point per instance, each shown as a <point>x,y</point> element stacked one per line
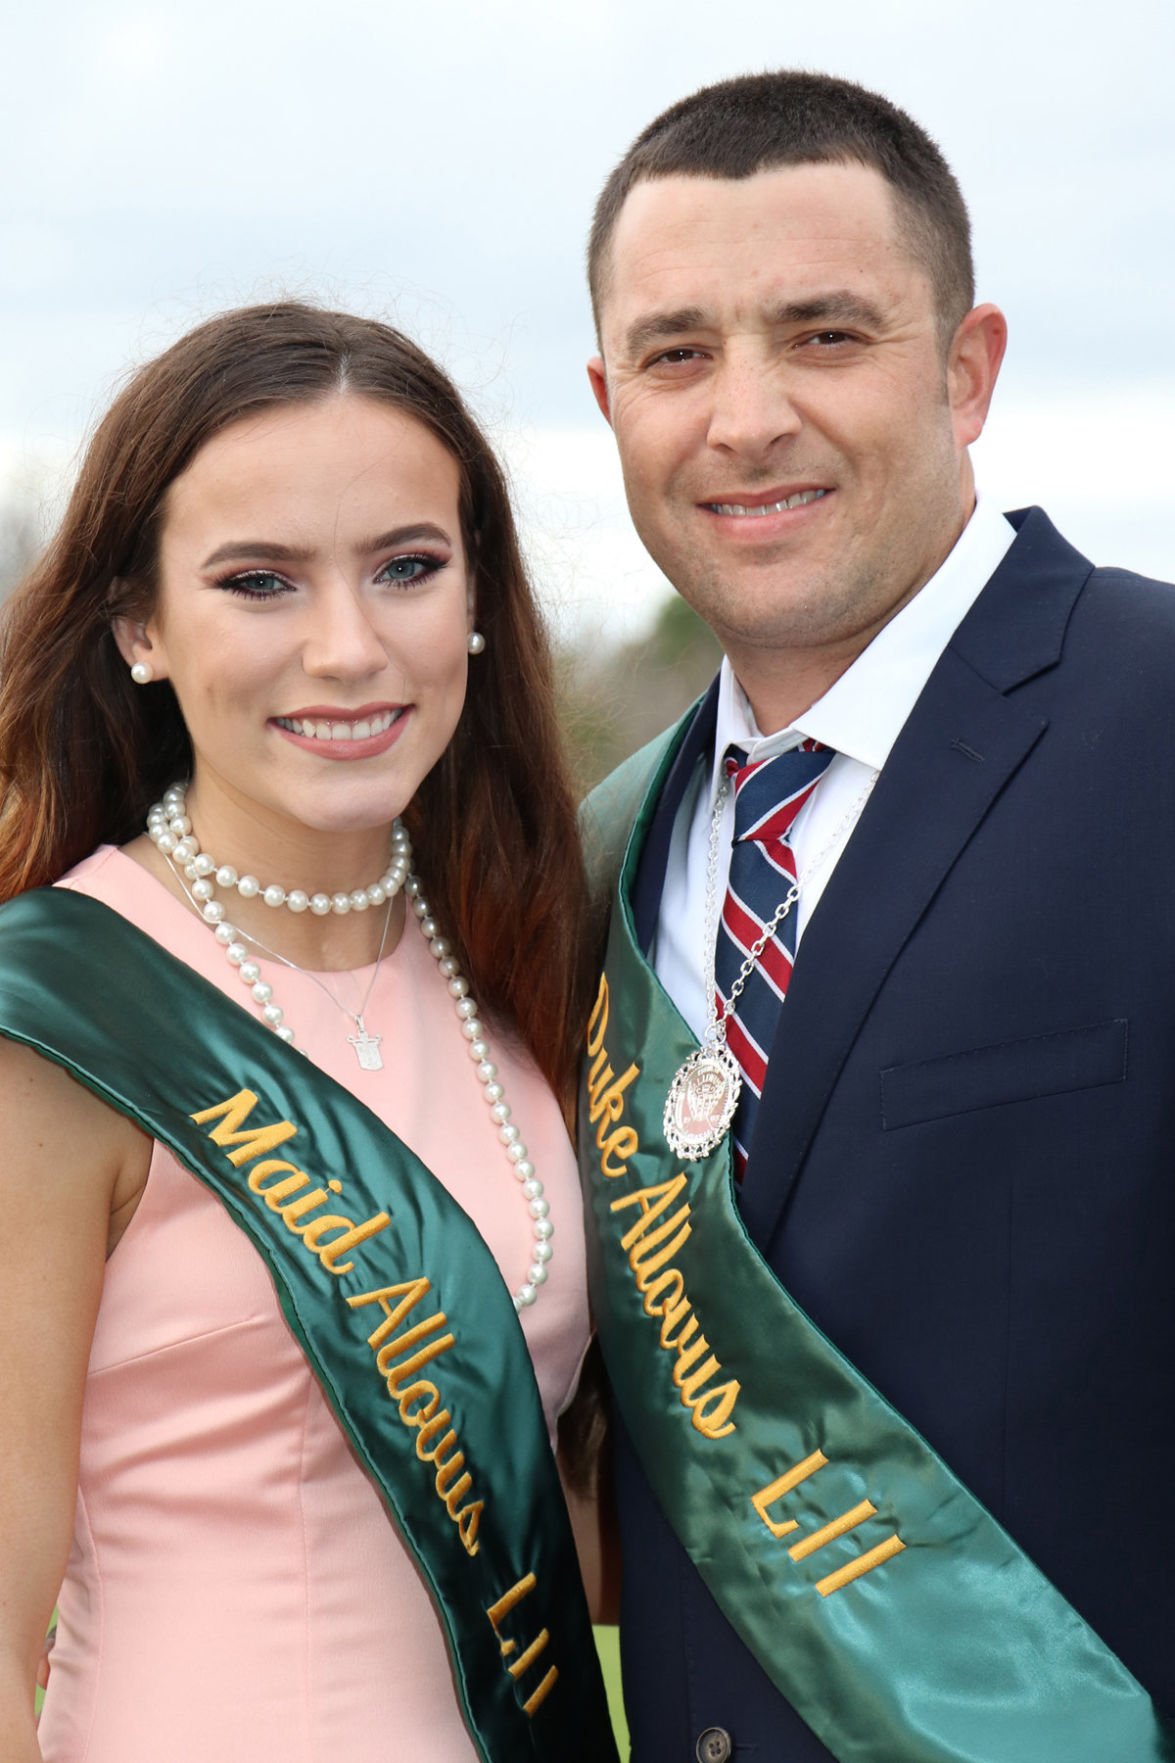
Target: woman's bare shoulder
<point>64,1149</point>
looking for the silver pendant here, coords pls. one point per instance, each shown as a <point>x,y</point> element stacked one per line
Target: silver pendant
<point>701,1103</point>
<point>366,1047</point>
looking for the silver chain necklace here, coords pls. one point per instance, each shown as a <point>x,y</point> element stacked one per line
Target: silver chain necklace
<point>705,1090</point>
<point>234,939</point>
<point>200,875</point>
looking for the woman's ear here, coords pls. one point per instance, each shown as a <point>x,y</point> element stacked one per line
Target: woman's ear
<point>142,655</point>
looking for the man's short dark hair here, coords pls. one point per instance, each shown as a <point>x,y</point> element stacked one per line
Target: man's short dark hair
<point>761,121</point>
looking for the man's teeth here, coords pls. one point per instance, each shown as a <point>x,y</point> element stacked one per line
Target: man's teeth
<point>799,500</point>
<point>314,730</point>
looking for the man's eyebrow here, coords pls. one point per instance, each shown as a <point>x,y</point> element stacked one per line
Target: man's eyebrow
<point>838,306</point>
<point>267,551</point>
<point>658,325</point>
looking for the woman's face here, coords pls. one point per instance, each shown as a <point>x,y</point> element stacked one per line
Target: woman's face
<point>313,608</point>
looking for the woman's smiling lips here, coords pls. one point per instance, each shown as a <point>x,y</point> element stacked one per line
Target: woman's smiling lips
<point>333,733</point>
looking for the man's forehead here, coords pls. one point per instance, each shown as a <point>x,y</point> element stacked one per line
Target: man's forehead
<point>797,243</point>
<point>805,220</point>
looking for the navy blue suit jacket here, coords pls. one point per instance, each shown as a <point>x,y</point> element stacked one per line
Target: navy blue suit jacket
<point>964,1161</point>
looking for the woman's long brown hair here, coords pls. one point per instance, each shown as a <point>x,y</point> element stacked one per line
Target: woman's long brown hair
<point>83,752</point>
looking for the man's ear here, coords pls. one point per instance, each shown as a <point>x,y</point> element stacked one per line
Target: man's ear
<point>598,381</point>
<point>973,365</point>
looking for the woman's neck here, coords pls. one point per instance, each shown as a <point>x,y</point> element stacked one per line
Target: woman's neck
<point>291,857</point>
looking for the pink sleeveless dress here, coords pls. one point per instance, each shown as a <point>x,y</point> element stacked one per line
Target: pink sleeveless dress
<point>236,1592</point>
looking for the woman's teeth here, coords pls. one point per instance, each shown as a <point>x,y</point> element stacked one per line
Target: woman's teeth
<point>314,730</point>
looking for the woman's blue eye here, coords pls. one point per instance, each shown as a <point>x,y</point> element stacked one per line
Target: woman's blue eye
<point>408,569</point>
<point>266,584</point>
<point>255,584</point>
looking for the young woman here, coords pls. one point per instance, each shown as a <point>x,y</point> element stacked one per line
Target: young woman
<point>287,1190</point>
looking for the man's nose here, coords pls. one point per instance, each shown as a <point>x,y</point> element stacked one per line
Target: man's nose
<point>752,409</point>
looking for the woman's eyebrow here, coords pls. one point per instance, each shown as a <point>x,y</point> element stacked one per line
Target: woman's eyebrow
<point>268,551</point>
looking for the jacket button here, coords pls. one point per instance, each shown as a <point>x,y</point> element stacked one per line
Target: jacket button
<point>713,1746</point>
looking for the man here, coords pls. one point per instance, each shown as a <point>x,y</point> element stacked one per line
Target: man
<point>953,1145</point>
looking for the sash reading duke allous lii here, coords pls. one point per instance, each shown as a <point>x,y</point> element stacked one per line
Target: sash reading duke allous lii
<point>392,1295</point>
<point>885,1603</point>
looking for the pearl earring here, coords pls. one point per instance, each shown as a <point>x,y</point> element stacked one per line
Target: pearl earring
<point>475,642</point>
<point>142,673</point>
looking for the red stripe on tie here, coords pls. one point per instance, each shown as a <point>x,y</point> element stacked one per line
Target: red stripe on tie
<point>745,931</point>
<point>782,859</point>
<point>762,874</point>
<point>776,963</point>
<point>777,823</point>
<point>751,1059</point>
<point>743,928</point>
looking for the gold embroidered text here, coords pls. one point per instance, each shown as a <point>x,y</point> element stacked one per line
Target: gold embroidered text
<point>606,1095</point>
<point>650,1244</point>
<point>286,1195</point>
<point>497,1614</point>
<point>398,1359</point>
<point>783,1485</point>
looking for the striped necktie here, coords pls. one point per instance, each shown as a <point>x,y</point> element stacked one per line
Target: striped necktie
<point>768,795</point>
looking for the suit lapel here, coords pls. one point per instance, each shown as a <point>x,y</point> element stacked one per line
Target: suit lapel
<point>962,743</point>
<point>696,745</point>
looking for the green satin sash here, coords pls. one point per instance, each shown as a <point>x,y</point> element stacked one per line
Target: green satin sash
<point>389,1289</point>
<point>884,1602</point>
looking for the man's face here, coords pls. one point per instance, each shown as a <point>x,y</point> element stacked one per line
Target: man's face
<point>791,434</point>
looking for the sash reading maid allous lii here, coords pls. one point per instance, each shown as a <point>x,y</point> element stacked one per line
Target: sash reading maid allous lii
<point>392,1295</point>
<point>885,1603</point>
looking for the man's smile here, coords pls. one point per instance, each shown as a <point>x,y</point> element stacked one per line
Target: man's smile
<point>758,509</point>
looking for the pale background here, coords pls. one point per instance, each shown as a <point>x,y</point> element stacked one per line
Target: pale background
<point>436,164</point>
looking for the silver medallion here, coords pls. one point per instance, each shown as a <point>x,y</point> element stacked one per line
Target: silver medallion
<point>366,1047</point>
<point>701,1103</point>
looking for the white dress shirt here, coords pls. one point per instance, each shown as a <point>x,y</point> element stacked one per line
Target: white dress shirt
<point>859,717</point>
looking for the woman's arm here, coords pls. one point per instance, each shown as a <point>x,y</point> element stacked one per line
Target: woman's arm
<point>69,1166</point>
<point>585,1466</point>
<point>593,1524</point>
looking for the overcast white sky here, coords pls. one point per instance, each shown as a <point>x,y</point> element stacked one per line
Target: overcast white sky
<point>436,164</point>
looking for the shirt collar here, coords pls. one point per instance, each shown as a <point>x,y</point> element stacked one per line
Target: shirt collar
<point>863,712</point>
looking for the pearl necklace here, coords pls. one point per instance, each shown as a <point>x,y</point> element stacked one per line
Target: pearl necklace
<point>170,830</point>
<point>487,1074</point>
<point>169,827</point>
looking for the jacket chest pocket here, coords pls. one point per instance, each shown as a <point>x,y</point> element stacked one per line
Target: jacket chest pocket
<point>1009,1071</point>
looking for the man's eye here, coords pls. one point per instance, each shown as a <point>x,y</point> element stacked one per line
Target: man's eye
<point>255,584</point>
<point>675,357</point>
<point>408,569</point>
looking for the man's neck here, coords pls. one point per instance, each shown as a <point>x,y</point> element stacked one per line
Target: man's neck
<point>858,697</point>
<point>781,683</point>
